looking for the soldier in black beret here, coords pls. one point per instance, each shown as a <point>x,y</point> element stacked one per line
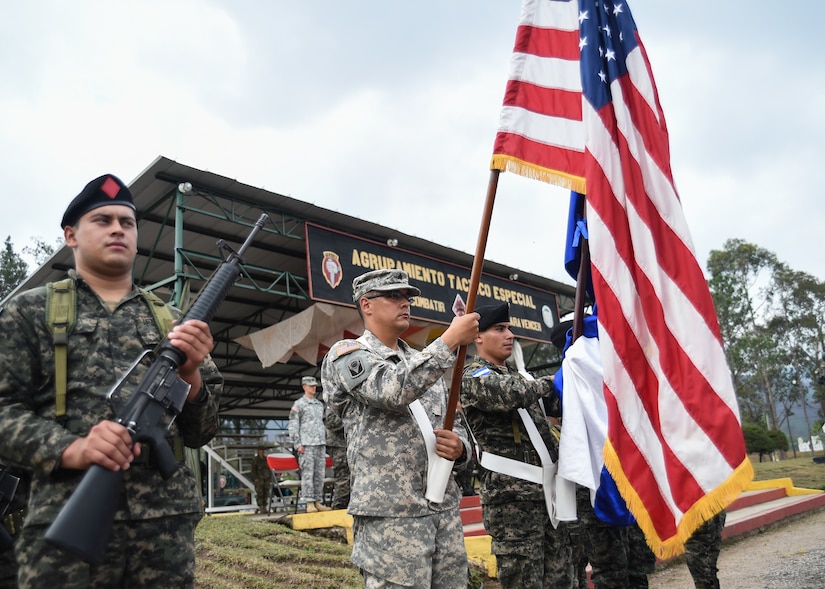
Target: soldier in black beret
<point>57,422</point>
<point>503,410</point>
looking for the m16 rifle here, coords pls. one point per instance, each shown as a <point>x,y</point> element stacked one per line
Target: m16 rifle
<point>84,524</point>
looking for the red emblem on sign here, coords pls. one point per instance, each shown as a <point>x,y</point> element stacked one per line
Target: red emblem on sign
<point>331,269</point>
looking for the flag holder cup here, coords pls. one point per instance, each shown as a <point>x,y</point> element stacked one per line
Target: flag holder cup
<point>438,475</point>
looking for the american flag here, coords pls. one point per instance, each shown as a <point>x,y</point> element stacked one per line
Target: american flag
<point>581,110</point>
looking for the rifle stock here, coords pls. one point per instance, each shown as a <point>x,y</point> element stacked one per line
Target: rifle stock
<point>84,524</point>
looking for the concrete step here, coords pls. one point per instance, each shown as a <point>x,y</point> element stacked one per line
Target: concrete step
<point>759,515</point>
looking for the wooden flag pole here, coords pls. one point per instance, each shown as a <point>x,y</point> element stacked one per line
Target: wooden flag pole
<point>475,279</point>
<point>581,290</point>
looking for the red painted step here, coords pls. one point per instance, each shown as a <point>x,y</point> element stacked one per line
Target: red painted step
<point>749,498</point>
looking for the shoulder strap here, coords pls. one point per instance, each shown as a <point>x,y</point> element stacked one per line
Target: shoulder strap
<point>61,313</point>
<point>161,312</point>
<point>60,318</point>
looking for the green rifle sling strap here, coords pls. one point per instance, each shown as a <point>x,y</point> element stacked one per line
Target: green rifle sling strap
<point>61,313</point>
<point>60,317</point>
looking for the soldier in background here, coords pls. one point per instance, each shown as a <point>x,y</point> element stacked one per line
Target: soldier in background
<point>262,477</point>
<point>152,541</point>
<point>400,538</point>
<point>308,435</point>
<point>337,449</point>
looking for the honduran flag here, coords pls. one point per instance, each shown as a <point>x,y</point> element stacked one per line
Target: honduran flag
<point>581,110</point>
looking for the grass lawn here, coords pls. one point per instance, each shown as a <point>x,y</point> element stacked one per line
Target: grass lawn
<point>237,551</point>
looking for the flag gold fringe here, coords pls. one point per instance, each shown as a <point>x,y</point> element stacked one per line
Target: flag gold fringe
<point>508,163</point>
<point>712,503</point>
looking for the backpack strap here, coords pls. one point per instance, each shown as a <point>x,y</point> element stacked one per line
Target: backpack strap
<point>161,312</point>
<point>61,313</point>
<point>60,318</point>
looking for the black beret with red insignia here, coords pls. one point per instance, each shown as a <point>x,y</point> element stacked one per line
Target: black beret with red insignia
<point>102,191</point>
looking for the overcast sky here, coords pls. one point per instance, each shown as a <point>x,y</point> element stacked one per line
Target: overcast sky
<point>387,111</point>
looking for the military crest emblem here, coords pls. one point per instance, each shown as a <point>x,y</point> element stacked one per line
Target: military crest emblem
<point>331,269</point>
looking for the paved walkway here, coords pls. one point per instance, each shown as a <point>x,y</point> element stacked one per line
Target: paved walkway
<point>788,554</point>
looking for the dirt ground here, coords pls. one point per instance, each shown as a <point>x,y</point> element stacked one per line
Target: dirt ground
<point>785,555</point>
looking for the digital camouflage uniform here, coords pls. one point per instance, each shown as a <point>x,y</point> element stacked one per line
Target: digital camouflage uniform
<point>306,428</point>
<point>101,348</point>
<point>262,478</point>
<point>401,539</point>
<point>337,449</point>
<point>702,552</point>
<point>619,556</point>
<point>530,552</point>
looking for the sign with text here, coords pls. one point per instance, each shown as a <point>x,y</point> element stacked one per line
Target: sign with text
<point>335,258</point>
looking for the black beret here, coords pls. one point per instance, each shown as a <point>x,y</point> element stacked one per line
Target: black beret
<point>102,191</point>
<point>559,334</point>
<point>492,314</point>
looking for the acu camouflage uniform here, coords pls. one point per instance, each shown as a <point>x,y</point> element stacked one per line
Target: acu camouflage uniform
<point>306,428</point>
<point>401,539</point>
<point>101,348</point>
<point>337,449</point>
<point>530,552</point>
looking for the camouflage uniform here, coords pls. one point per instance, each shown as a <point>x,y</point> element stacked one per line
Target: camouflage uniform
<point>337,449</point>
<point>530,552</point>
<point>619,555</point>
<point>101,347</point>
<point>306,428</point>
<point>401,539</point>
<point>702,552</point>
<point>262,478</point>
<point>12,523</point>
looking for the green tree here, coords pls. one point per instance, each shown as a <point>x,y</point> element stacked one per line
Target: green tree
<point>13,269</point>
<point>779,440</point>
<point>757,440</point>
<point>743,288</point>
<point>42,251</point>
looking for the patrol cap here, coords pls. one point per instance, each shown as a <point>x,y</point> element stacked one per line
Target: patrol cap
<point>492,314</point>
<point>102,191</point>
<point>381,281</point>
<point>310,381</point>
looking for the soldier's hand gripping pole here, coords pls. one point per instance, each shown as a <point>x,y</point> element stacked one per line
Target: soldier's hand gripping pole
<point>84,524</point>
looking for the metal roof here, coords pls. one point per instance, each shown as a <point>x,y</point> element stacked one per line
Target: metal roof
<point>274,283</point>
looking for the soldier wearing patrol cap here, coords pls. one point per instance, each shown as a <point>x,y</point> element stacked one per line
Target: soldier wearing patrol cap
<point>401,538</point>
<point>308,435</point>
<point>262,477</point>
<point>57,432</point>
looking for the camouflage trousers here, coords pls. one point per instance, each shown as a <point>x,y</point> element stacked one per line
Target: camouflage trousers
<point>530,552</point>
<point>262,487</point>
<point>702,552</point>
<point>313,465</point>
<point>419,552</point>
<point>150,553</point>
<point>8,569</point>
<point>619,556</point>
<point>340,494</point>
